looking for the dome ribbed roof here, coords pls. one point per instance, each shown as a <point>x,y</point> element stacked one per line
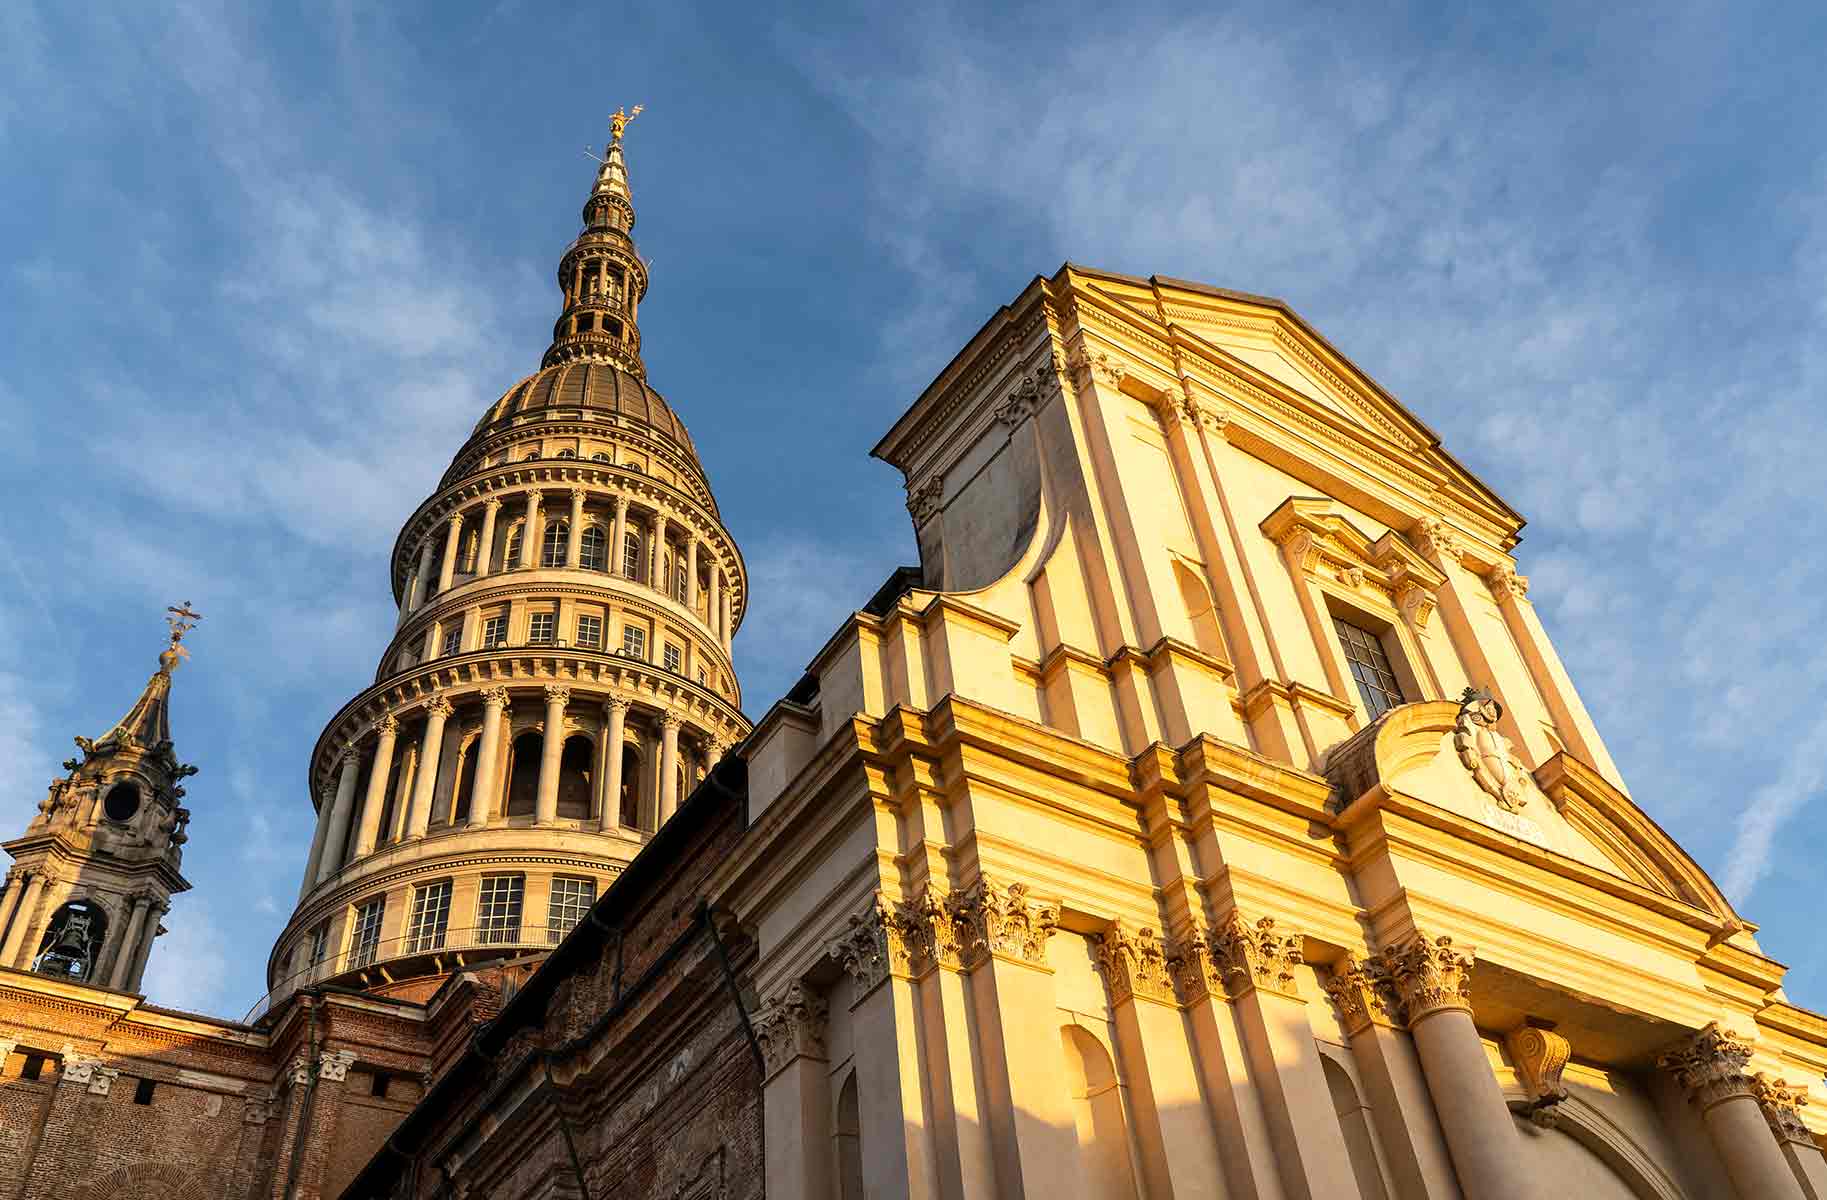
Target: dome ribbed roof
<point>593,385</point>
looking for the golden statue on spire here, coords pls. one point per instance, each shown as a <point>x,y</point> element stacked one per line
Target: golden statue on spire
<point>618,123</point>
<point>183,619</point>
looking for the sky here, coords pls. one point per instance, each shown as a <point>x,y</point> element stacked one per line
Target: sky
<point>261,268</point>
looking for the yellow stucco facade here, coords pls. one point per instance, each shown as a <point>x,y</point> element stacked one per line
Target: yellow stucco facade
<point>1218,819</point>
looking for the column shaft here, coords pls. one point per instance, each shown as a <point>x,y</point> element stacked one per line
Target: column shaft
<point>545,807</point>
<point>485,546</point>
<point>148,934</point>
<point>342,806</point>
<point>529,533</point>
<point>420,577</point>
<point>617,558</point>
<point>726,630</point>
<point>713,600</point>
<point>425,782</point>
<point>691,573</point>
<point>1752,1156</point>
<point>574,545</point>
<point>488,756</point>
<point>615,714</point>
<point>669,766</point>
<point>23,916</point>
<point>369,829</point>
<point>1480,1134</point>
<point>658,576</point>
<point>9,901</point>
<point>315,859</point>
<point>124,953</point>
<point>453,537</point>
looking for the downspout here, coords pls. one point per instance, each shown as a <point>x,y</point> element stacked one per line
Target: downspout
<point>729,977</point>
<point>304,1115</point>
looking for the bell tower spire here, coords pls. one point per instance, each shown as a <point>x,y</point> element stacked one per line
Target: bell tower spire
<point>97,866</point>
<point>602,276</point>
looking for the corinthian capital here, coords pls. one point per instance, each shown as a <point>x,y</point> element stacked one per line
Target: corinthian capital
<point>1256,955</point>
<point>1782,1104</point>
<point>1710,1066</point>
<point>790,1026</point>
<point>558,693</point>
<point>1506,584</point>
<point>438,706</point>
<point>496,696</point>
<point>1134,965</point>
<point>387,726</point>
<point>864,949</point>
<point>1363,994</point>
<point>992,919</point>
<point>1436,541</point>
<point>1430,975</point>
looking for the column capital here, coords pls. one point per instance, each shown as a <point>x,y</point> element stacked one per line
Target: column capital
<point>790,1026</point>
<point>994,920</point>
<point>580,494</point>
<point>1134,965</point>
<point>333,1065</point>
<point>439,706</point>
<point>671,719</point>
<point>863,949</point>
<point>1255,955</point>
<point>621,502</point>
<point>496,697</point>
<point>534,497</point>
<point>387,726</point>
<point>1710,1066</point>
<point>1363,993</point>
<point>1506,584</point>
<point>615,704</point>
<point>1782,1104</point>
<point>326,797</point>
<point>455,520</point>
<point>1436,540</point>
<point>557,693</point>
<point>346,758</point>
<point>492,504</point>
<point>1430,975</point>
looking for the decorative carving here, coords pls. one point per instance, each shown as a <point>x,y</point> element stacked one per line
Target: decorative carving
<point>438,706</point>
<point>333,1065</point>
<point>1256,956</point>
<point>862,949</point>
<point>557,693</point>
<point>1352,577</point>
<point>1362,992</point>
<point>991,919</point>
<point>1107,370</point>
<point>1436,541</point>
<point>387,726</point>
<point>255,1110</point>
<point>1540,1055</point>
<point>1134,964</point>
<point>497,696</point>
<point>671,720</point>
<point>1430,975</point>
<point>1506,584</point>
<point>791,1026</point>
<point>299,1073</point>
<point>101,1081</point>
<point>619,704</point>
<point>1782,1104</point>
<point>1021,402</point>
<point>1194,968</point>
<point>923,501</point>
<point>1416,603</point>
<point>1710,1066</point>
<point>1486,752</point>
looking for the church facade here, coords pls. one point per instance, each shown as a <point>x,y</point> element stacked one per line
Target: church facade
<point>1207,814</point>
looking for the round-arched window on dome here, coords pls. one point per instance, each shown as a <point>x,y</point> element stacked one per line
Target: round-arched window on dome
<point>122,801</point>
<point>567,454</point>
<point>532,456</point>
<point>599,457</point>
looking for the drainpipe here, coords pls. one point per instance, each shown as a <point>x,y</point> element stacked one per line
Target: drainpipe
<point>729,977</point>
<point>564,1127</point>
<point>304,1115</point>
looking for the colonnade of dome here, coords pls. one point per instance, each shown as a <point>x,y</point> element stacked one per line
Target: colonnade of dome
<point>559,677</point>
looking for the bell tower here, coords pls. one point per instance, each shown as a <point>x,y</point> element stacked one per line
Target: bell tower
<point>97,866</point>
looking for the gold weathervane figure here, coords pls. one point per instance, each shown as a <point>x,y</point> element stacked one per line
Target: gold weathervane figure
<point>182,620</point>
<point>618,122</point>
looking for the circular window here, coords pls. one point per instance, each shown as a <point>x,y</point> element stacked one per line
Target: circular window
<point>122,801</point>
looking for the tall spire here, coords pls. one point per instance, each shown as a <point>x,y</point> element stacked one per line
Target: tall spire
<point>602,276</point>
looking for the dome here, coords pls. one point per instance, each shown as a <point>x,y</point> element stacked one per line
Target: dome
<point>593,385</point>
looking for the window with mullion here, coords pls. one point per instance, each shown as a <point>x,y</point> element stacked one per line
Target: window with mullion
<point>498,909</point>
<point>365,938</point>
<point>430,917</point>
<point>1370,667</point>
<point>571,899</point>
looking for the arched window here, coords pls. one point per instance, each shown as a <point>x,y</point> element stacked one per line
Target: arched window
<point>511,558</point>
<point>576,767</point>
<point>1097,1111</point>
<point>631,788</point>
<point>567,454</point>
<point>678,579</point>
<point>523,774</point>
<point>552,547</point>
<point>1354,1123</point>
<point>72,941</point>
<point>466,783</point>
<point>532,456</point>
<point>594,549</point>
<point>599,456</point>
<point>848,1130</point>
<point>631,555</point>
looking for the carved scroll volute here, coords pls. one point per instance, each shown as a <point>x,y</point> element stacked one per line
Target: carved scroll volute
<point>1710,1066</point>
<point>991,919</point>
<point>1539,1056</point>
<point>1256,955</point>
<point>1362,993</point>
<point>1134,965</point>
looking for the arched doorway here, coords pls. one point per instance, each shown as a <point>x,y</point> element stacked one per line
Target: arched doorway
<point>1097,1112</point>
<point>523,774</point>
<point>1355,1124</point>
<point>631,788</point>
<point>576,771</point>
<point>848,1130</point>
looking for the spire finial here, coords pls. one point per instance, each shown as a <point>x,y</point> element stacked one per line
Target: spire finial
<point>618,123</point>
<point>182,620</point>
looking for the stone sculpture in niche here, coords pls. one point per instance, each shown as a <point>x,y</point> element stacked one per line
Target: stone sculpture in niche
<point>1486,752</point>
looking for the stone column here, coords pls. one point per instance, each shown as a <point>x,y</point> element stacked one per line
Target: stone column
<point>1394,1087</point>
<point>529,534</point>
<point>713,599</point>
<point>726,627</point>
<point>153,929</point>
<point>691,573</point>
<point>342,807</point>
<point>9,901</point>
<point>669,765</point>
<point>125,952</point>
<point>488,755</point>
<point>796,1093</point>
<point>617,563</point>
<point>1710,1066</point>
<point>1782,1104</point>
<point>485,548</point>
<point>368,830</point>
<point>1433,979</point>
<point>615,726</point>
<point>315,858</point>
<point>416,596</point>
<point>574,545</point>
<point>659,576</point>
<point>551,747</point>
<point>453,540</point>
<point>24,913</point>
<point>425,783</point>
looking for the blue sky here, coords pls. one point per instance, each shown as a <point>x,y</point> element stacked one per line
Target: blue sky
<point>260,272</point>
